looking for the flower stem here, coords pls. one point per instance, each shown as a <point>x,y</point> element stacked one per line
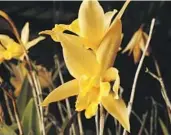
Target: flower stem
<point>66,100</point>
<point>102,118</point>
<point>138,71</point>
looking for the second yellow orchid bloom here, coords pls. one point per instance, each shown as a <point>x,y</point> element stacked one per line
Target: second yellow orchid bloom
<point>10,49</point>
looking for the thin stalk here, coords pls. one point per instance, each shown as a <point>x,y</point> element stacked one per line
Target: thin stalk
<point>163,88</point>
<point>138,71</point>
<point>15,112</point>
<point>143,123</point>
<point>102,119</point>
<point>97,123</point>
<point>53,78</point>
<point>9,109</point>
<point>66,100</point>
<point>80,124</point>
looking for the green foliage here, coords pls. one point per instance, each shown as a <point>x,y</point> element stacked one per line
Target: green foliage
<point>30,119</point>
<point>6,130</point>
<point>163,127</point>
<point>24,96</point>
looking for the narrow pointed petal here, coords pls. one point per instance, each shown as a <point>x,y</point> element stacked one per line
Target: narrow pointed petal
<point>91,21</point>
<point>135,40</point>
<point>119,15</point>
<point>137,53</point>
<point>34,42</point>
<point>25,33</point>
<point>78,59</point>
<point>108,18</point>
<point>109,46</point>
<point>66,90</point>
<point>143,43</point>
<point>53,34</point>
<point>117,108</point>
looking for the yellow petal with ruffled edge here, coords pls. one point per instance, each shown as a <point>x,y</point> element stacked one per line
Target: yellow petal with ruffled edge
<point>65,90</point>
<point>78,59</point>
<point>91,21</point>
<point>25,33</point>
<point>104,88</point>
<point>82,102</point>
<point>116,87</point>
<point>109,46</point>
<point>112,74</point>
<point>91,110</point>
<point>118,109</point>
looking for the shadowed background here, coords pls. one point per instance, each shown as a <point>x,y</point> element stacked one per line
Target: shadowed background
<point>43,15</point>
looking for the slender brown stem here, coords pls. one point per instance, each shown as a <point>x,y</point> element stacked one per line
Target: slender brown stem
<point>143,123</point>
<point>138,71</point>
<point>15,112</point>
<point>102,119</point>
<point>159,78</point>
<point>66,100</point>
<point>97,123</point>
<point>80,124</point>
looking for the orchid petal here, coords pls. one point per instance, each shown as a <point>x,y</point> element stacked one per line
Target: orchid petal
<point>110,74</point>
<point>74,27</point>
<point>116,86</point>
<point>109,46</point>
<point>66,90</point>
<point>78,59</point>
<point>133,42</point>
<point>91,21</point>
<point>91,110</point>
<point>25,33</point>
<point>118,109</point>
<point>33,42</point>
<point>104,88</point>
<point>82,102</point>
<point>108,18</point>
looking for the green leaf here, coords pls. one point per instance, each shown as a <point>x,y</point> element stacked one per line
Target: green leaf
<point>6,130</point>
<point>24,96</point>
<point>30,119</point>
<point>163,127</point>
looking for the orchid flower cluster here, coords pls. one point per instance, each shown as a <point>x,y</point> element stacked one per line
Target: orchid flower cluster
<point>89,55</point>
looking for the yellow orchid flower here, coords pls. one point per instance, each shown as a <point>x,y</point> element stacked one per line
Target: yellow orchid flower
<point>10,49</point>
<point>93,73</point>
<point>137,44</point>
<point>91,25</point>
